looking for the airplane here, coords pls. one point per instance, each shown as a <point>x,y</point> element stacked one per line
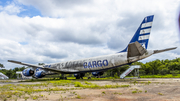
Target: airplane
<point>136,50</point>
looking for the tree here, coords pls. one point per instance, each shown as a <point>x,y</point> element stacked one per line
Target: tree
<point>41,64</point>
<point>1,65</point>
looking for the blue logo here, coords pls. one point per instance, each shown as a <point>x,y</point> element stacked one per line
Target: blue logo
<point>93,64</point>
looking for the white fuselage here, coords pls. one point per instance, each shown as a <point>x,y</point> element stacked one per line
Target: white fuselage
<point>99,63</point>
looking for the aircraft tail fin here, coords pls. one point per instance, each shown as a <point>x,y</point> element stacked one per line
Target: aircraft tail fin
<point>143,32</point>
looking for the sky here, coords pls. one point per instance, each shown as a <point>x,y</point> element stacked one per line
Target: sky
<point>51,31</point>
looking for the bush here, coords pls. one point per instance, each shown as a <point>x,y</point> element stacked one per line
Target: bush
<point>174,72</point>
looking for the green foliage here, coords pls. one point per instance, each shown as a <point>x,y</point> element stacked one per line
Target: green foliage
<point>1,65</point>
<point>103,92</point>
<point>118,93</point>
<point>161,76</point>
<point>12,72</point>
<point>174,72</point>
<point>78,96</point>
<point>134,91</point>
<point>156,67</point>
<point>95,86</point>
<point>160,93</point>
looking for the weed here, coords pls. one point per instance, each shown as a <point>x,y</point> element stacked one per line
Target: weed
<point>78,96</point>
<point>148,82</point>
<point>115,93</point>
<point>25,98</point>
<point>35,97</point>
<point>145,91</point>
<point>41,95</point>
<point>103,92</point>
<point>118,93</point>
<point>160,93</point>
<point>78,84</point>
<point>134,91</point>
<point>88,83</point>
<point>135,82</point>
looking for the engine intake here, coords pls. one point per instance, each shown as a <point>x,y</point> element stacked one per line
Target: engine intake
<point>28,72</point>
<point>40,74</point>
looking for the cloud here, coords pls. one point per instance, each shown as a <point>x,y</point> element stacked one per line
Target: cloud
<point>71,30</point>
<point>11,8</point>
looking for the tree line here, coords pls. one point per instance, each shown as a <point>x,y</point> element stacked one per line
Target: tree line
<point>156,67</point>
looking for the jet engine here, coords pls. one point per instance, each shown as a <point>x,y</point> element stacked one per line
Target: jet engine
<point>97,73</point>
<point>39,74</point>
<point>28,72</point>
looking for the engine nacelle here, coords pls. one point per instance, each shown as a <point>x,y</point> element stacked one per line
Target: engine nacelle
<point>39,74</point>
<point>97,73</point>
<point>28,72</point>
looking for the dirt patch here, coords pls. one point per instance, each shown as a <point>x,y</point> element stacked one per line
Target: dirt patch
<point>139,90</point>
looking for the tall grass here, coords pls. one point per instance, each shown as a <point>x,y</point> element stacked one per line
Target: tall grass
<point>161,76</point>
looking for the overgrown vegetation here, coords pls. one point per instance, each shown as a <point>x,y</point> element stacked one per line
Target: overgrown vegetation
<point>95,86</point>
<point>30,91</point>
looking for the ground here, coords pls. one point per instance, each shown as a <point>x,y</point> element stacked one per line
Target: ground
<point>138,90</point>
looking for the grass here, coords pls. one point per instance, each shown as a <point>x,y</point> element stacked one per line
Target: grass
<point>118,93</point>
<point>5,81</point>
<point>103,92</point>
<point>160,93</point>
<point>78,96</point>
<point>136,91</point>
<point>161,76</point>
<point>27,91</point>
<point>95,86</point>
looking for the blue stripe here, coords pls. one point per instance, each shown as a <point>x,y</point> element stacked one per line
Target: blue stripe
<point>144,34</point>
<point>146,27</point>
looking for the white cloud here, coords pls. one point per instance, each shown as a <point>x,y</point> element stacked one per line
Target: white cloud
<point>71,29</point>
<point>11,8</point>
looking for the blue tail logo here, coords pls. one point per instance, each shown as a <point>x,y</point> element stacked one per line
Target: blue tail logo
<point>143,32</point>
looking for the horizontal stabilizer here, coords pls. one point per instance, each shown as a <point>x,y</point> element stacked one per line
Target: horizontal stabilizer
<point>163,50</point>
<point>135,49</point>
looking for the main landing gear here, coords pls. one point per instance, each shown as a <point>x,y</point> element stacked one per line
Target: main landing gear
<point>63,77</point>
<point>79,75</point>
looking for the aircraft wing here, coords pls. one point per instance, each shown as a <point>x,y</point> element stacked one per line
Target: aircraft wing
<point>65,71</point>
<point>26,64</point>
